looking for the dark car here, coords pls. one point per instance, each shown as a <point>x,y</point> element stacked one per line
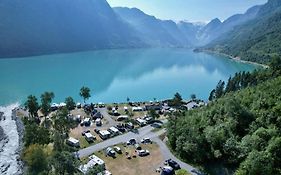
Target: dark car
<point>121,128</point>
<point>173,164</point>
<point>156,125</point>
<point>132,142</point>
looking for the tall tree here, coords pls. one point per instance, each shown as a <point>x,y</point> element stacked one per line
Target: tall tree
<point>32,105</point>
<point>193,97</point>
<point>70,104</point>
<point>85,93</point>
<point>219,89</point>
<point>275,65</point>
<point>212,95</point>
<point>64,163</point>
<point>177,100</point>
<point>36,159</point>
<point>46,100</point>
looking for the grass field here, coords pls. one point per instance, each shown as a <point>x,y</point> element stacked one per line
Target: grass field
<point>139,165</point>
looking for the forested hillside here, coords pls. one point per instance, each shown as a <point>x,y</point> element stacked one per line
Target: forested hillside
<point>239,128</point>
<point>257,40</point>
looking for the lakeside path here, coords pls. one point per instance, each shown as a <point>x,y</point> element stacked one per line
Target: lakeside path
<point>238,59</point>
<point>142,132</point>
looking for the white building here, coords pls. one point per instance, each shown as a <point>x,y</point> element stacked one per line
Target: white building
<point>94,161</point>
<point>113,130</point>
<point>89,137</point>
<point>73,142</point>
<point>104,134</point>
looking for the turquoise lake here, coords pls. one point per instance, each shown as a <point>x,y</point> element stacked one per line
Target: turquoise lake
<point>114,75</point>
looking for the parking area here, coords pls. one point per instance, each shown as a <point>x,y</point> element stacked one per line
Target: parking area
<point>145,165</point>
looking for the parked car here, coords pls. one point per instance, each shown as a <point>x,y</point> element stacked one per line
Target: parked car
<point>117,149</point>
<point>146,140</point>
<point>121,128</point>
<point>156,125</point>
<point>132,142</point>
<point>143,153</point>
<point>173,164</point>
<point>110,152</point>
<point>129,125</point>
<point>84,132</point>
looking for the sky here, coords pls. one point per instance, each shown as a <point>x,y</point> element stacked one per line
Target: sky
<point>190,10</point>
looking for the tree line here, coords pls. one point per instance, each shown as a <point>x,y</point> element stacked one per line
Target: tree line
<point>240,128</point>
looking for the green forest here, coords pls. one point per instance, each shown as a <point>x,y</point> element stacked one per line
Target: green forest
<point>240,128</point>
<point>257,40</point>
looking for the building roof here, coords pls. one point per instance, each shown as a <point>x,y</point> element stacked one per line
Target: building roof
<point>73,140</point>
<point>94,160</point>
<point>104,132</point>
<point>114,129</point>
<point>89,135</point>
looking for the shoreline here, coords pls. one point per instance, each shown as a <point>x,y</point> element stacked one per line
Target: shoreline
<point>238,59</point>
<point>11,144</point>
<point>20,130</point>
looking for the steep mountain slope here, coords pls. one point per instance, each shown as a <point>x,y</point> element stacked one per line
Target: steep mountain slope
<point>257,40</point>
<point>190,31</point>
<point>216,28</point>
<point>33,27</point>
<point>153,31</point>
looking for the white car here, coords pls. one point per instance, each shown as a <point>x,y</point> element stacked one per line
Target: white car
<point>117,149</point>
<point>146,140</point>
<point>143,153</point>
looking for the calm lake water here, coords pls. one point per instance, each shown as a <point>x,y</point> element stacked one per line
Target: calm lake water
<point>114,75</point>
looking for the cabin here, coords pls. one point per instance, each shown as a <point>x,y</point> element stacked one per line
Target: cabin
<point>94,161</point>
<point>113,131</point>
<point>104,134</point>
<point>73,142</point>
<point>141,122</point>
<point>89,137</point>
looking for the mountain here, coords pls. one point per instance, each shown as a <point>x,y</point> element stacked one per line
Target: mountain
<point>153,31</point>
<point>190,30</point>
<point>32,27</point>
<point>209,32</point>
<point>258,40</point>
<point>216,28</point>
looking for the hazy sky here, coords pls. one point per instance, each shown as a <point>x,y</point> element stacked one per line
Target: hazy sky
<point>191,10</point>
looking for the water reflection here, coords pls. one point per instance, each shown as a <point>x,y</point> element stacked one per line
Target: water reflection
<point>141,74</point>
